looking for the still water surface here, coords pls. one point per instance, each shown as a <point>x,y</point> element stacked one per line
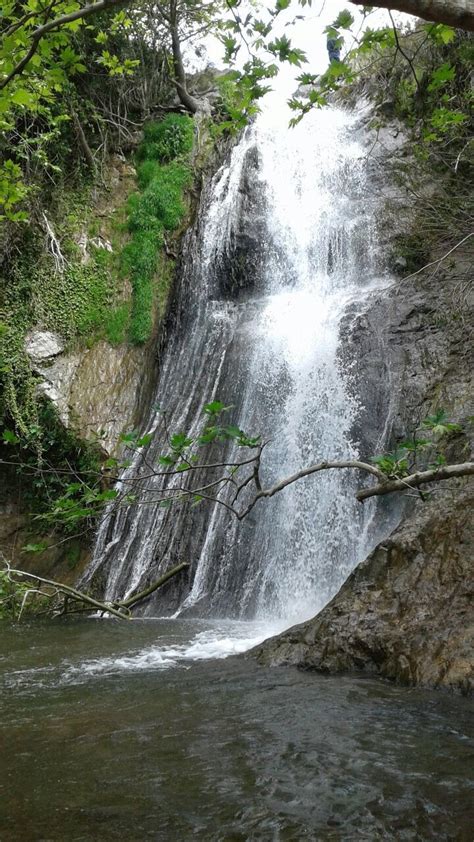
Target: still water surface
<point>146,731</point>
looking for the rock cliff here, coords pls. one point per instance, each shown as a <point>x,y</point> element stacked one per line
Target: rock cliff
<point>405,613</point>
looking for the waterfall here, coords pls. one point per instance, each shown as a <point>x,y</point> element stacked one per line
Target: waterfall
<point>284,244</point>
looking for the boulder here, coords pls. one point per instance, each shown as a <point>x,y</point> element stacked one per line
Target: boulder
<point>406,613</point>
<point>43,345</point>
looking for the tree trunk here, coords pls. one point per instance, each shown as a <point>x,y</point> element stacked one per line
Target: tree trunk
<point>457,13</point>
<point>189,102</point>
<point>82,140</point>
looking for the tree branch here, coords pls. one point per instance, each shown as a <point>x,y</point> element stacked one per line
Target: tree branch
<point>457,13</point>
<point>440,259</point>
<point>463,469</point>
<point>68,591</point>
<point>119,609</point>
<point>133,600</point>
<point>305,472</point>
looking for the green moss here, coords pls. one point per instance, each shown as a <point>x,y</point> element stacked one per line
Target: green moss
<point>74,303</point>
<point>85,302</point>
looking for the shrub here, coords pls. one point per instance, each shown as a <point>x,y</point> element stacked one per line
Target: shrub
<point>159,207</point>
<point>168,139</point>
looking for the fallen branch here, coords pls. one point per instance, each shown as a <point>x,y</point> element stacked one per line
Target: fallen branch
<point>133,600</point>
<point>70,592</point>
<point>119,609</point>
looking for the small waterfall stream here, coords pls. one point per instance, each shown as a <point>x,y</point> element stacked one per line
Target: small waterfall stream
<point>284,244</point>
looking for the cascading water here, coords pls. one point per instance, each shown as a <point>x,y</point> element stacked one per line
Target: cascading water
<point>284,244</point>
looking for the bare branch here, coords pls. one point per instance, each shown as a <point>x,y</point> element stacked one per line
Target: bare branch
<point>119,609</point>
<point>69,591</point>
<point>132,600</point>
<point>305,472</point>
<point>402,51</point>
<point>436,262</point>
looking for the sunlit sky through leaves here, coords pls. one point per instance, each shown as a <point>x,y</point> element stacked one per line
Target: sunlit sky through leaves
<point>306,34</point>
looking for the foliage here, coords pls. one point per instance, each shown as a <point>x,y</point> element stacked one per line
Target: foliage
<point>167,139</point>
<point>74,499</point>
<point>40,57</point>
<point>163,175</point>
<point>68,489</point>
<point>57,472</point>
<point>418,453</point>
<point>117,324</point>
<point>73,301</point>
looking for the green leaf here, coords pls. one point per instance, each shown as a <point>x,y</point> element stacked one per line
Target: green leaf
<point>34,548</point>
<point>442,75</point>
<point>180,441</point>
<point>167,460</point>
<point>129,437</point>
<point>9,437</point>
<point>344,20</point>
<point>23,97</point>
<point>111,463</point>
<point>214,408</point>
<point>440,32</point>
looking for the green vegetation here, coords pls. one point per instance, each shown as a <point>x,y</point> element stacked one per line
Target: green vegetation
<point>66,296</point>
<point>419,453</point>
<point>163,174</point>
<point>83,296</point>
<point>62,455</point>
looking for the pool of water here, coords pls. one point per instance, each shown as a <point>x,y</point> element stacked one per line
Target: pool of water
<point>145,730</point>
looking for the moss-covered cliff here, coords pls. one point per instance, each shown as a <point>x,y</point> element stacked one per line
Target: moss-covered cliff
<point>83,305</point>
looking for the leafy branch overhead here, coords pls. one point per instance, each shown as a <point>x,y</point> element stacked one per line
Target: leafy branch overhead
<point>181,473</point>
<point>46,49</point>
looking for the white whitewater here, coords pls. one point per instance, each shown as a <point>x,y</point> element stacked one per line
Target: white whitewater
<point>272,351</point>
<point>320,257</point>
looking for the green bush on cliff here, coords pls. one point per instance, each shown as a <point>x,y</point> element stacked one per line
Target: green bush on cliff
<point>163,175</point>
<point>167,139</point>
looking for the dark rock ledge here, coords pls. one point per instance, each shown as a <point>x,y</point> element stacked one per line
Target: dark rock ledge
<point>406,613</point>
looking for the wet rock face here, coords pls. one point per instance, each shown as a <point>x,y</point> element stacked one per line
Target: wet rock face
<point>241,260</point>
<point>406,612</point>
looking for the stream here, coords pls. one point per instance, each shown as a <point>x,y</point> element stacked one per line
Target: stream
<point>146,731</point>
